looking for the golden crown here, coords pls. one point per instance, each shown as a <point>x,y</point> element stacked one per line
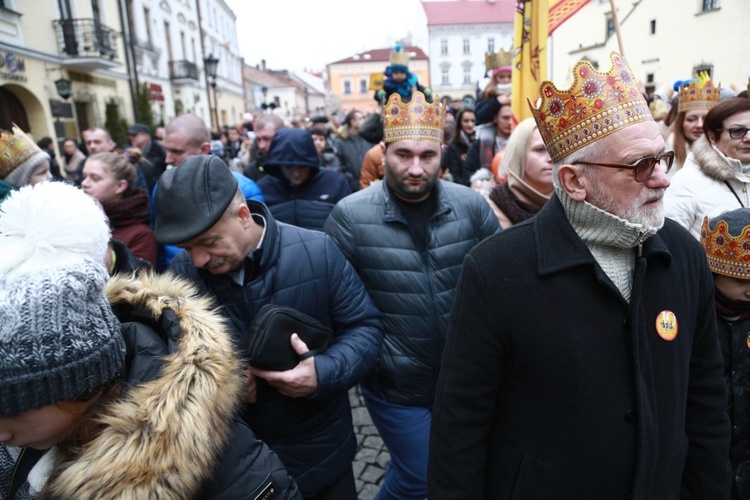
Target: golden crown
<point>494,60</point>
<point>15,149</point>
<point>399,57</point>
<point>416,119</point>
<point>596,105</point>
<point>698,95</point>
<point>727,255</point>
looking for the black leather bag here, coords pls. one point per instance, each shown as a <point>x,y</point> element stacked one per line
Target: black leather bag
<point>268,345</point>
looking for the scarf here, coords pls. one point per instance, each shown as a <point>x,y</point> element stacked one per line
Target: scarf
<point>515,209</point>
<point>129,211</point>
<point>728,308</point>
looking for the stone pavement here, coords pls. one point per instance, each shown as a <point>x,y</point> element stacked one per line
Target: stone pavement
<point>372,457</point>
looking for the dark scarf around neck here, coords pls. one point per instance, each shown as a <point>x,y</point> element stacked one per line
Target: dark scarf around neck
<point>730,308</point>
<point>515,209</point>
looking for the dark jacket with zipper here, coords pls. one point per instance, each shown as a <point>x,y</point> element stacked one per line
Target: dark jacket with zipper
<point>413,289</point>
<point>305,270</point>
<point>553,386</point>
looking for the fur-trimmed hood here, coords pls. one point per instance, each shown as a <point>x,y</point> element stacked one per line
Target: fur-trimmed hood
<point>714,164</point>
<point>163,437</point>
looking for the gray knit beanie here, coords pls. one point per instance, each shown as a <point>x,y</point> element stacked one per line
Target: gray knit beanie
<point>58,335</point>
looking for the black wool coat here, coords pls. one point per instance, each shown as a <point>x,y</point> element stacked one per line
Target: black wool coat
<point>553,386</point>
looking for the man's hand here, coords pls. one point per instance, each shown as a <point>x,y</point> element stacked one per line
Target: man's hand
<point>300,381</point>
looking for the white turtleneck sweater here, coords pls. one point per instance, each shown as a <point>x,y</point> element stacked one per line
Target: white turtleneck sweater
<point>611,240</point>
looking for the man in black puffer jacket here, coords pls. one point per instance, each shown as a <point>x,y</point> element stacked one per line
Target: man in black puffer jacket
<point>407,237</point>
<point>237,253</point>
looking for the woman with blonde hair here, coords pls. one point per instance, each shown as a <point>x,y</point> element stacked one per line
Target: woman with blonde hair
<point>110,178</point>
<point>529,170</point>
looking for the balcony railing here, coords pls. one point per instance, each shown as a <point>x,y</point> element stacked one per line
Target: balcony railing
<point>85,38</point>
<point>183,70</point>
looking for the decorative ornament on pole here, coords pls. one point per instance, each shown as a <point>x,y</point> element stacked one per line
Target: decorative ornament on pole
<point>211,65</point>
<point>64,88</point>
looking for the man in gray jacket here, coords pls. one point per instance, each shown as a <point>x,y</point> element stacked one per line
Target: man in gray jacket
<point>407,237</point>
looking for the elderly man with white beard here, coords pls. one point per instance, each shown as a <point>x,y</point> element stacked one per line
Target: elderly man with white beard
<point>583,359</point>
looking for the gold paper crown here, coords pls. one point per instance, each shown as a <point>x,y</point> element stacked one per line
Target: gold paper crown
<point>494,60</point>
<point>416,119</point>
<point>596,105</point>
<point>15,149</point>
<point>399,57</point>
<point>698,95</point>
<point>727,255</point>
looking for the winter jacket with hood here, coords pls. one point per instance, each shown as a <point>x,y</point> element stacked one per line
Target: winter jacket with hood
<point>700,188</point>
<point>413,289</point>
<point>306,205</point>
<point>305,270</point>
<point>172,432</point>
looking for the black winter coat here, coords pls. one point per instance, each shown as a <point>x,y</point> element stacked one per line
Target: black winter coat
<point>734,337</point>
<point>305,270</point>
<point>412,288</point>
<point>555,387</point>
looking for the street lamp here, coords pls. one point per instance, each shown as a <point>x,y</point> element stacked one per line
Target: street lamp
<point>211,65</point>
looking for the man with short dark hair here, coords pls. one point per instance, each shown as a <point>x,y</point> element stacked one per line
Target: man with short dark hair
<point>265,128</point>
<point>406,237</point>
<point>139,136</point>
<point>583,359</point>
<point>240,256</point>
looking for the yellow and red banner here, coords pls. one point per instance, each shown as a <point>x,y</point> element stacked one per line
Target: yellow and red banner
<point>535,22</point>
<point>531,29</point>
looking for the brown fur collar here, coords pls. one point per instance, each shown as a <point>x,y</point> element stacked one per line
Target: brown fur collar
<point>710,162</point>
<point>162,440</point>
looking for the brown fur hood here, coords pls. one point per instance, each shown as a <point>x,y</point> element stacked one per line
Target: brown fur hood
<point>163,438</point>
<point>713,164</point>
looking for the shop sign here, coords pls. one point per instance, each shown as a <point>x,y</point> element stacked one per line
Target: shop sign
<point>155,92</point>
<point>12,67</point>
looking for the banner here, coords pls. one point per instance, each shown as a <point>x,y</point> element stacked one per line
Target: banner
<point>531,29</point>
<point>376,81</point>
<point>561,12</point>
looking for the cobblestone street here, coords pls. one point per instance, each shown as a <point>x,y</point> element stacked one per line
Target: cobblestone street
<point>372,457</point>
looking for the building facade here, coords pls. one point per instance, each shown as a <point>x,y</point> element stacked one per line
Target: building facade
<point>349,79</point>
<point>663,41</point>
<point>460,33</point>
<point>63,66</point>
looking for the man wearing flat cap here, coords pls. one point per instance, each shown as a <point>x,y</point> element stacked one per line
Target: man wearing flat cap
<point>238,254</point>
<point>583,360</point>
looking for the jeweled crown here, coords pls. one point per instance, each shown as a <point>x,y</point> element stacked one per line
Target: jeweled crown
<point>416,119</point>
<point>494,60</point>
<point>399,57</point>
<point>596,105</point>
<point>727,254</point>
<point>15,149</point>
<point>698,95</point>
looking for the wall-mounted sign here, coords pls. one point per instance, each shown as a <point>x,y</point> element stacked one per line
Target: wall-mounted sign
<point>155,92</point>
<point>12,67</point>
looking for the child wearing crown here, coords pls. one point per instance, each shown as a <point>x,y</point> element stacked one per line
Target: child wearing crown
<point>21,162</point>
<point>399,80</point>
<point>726,240</point>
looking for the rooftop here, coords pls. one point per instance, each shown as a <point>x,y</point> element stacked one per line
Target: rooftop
<point>383,55</point>
<point>469,12</point>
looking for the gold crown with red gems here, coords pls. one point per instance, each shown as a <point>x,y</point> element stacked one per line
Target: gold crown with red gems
<point>698,95</point>
<point>727,255</point>
<point>596,105</point>
<point>416,119</point>
<point>15,149</point>
<point>494,60</point>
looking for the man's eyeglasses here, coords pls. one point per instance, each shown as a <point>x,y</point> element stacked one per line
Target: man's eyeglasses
<point>643,168</point>
<point>737,132</point>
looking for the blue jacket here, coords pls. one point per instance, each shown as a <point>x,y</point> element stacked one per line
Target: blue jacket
<point>305,270</point>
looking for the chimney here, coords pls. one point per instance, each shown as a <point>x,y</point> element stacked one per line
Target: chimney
<point>263,64</point>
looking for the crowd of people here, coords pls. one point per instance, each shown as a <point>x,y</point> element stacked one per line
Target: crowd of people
<point>554,308</point>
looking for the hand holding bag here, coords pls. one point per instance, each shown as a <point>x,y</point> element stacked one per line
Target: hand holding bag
<point>268,342</point>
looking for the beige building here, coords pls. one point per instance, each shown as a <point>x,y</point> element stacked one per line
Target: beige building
<point>79,48</point>
<point>663,41</point>
<point>349,79</point>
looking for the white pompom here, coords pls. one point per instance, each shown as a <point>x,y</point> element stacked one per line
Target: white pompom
<point>49,226</point>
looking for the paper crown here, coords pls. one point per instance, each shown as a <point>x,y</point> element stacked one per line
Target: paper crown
<point>15,149</point>
<point>496,60</point>
<point>415,120</point>
<point>399,57</point>
<point>698,94</point>
<point>727,254</point>
<point>596,105</point>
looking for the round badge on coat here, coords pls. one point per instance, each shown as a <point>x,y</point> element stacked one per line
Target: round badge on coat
<point>666,325</point>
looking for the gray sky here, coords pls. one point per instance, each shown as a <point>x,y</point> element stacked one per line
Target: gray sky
<point>299,34</point>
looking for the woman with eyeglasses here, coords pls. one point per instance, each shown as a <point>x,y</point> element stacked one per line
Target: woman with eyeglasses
<point>716,176</point>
